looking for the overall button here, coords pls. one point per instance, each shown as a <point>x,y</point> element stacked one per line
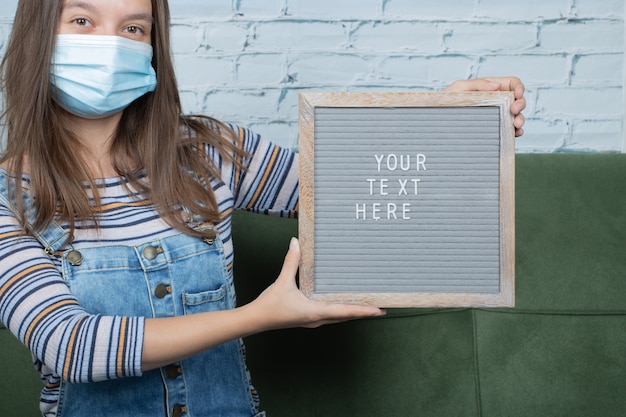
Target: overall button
<point>173,371</point>
<point>209,239</point>
<point>74,257</point>
<point>179,410</point>
<point>151,252</point>
<point>162,290</point>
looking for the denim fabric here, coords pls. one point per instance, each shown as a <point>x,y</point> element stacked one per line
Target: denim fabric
<point>174,276</point>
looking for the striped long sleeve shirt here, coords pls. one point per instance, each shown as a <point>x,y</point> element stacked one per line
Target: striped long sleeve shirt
<point>37,307</point>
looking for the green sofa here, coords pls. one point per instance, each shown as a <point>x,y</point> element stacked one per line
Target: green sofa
<point>560,352</point>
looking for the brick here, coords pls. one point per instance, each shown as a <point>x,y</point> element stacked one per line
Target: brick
<point>241,106</point>
<point>299,35</point>
<point>8,8</point>
<point>185,39</point>
<point>595,136</point>
<point>260,69</point>
<point>437,70</point>
<point>398,36</point>
<point>193,70</point>
<point>428,9</point>
<point>253,9</point>
<point>329,68</point>
<point>600,69</point>
<point>215,9</point>
<point>527,10</point>
<point>490,37</point>
<point>590,103</point>
<point>529,68</point>
<point>596,8</point>
<point>335,10</point>
<point>225,36</point>
<point>592,36</point>
<point>542,136</point>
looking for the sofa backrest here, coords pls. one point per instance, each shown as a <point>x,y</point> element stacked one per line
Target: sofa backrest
<point>559,352</point>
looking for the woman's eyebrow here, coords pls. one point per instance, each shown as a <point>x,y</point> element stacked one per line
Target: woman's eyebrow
<point>78,4</point>
<point>141,16</point>
<point>89,7</point>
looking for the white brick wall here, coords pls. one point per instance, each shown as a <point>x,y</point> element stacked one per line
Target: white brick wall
<point>245,61</point>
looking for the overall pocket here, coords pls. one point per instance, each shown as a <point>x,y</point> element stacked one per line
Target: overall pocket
<point>201,302</point>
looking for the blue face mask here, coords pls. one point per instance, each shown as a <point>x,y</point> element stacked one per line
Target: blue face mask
<point>95,76</point>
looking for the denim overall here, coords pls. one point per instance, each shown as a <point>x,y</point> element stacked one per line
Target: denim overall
<point>173,276</point>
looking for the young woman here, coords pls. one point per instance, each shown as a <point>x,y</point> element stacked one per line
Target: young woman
<point>115,212</point>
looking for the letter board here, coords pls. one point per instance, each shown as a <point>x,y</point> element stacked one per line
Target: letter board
<point>407,199</point>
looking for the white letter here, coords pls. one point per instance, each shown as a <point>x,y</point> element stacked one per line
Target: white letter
<point>383,186</point>
<point>403,187</point>
<point>375,211</point>
<point>391,211</point>
<point>371,181</point>
<point>395,162</point>
<point>415,182</point>
<point>404,167</point>
<point>405,210</point>
<point>379,160</point>
<point>360,211</point>
<point>421,161</point>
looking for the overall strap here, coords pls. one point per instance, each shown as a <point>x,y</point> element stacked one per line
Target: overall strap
<point>53,237</point>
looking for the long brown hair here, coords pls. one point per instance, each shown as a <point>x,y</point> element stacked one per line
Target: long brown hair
<point>147,142</point>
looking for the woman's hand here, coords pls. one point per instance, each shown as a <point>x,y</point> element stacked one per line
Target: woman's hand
<point>498,84</point>
<point>283,305</point>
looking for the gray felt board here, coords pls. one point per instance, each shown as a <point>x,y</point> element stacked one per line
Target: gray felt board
<point>407,199</point>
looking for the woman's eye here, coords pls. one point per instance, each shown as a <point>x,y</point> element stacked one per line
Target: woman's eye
<point>81,21</point>
<point>136,30</point>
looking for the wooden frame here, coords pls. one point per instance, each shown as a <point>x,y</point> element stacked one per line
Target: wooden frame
<point>503,292</point>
